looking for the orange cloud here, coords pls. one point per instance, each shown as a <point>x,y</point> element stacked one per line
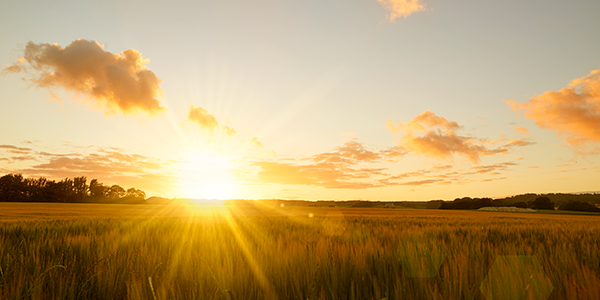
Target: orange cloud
<point>335,169</point>
<point>572,112</point>
<point>401,8</point>
<point>15,149</point>
<point>435,136</point>
<point>116,82</point>
<point>423,182</point>
<point>518,142</point>
<point>353,152</point>
<point>327,175</point>
<point>344,168</point>
<point>521,129</point>
<point>491,169</point>
<point>209,124</point>
<point>445,175</point>
<point>202,117</point>
<point>208,121</point>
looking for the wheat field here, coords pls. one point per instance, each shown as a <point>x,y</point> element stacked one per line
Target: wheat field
<point>255,251</point>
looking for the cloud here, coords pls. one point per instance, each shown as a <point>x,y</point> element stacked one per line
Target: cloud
<point>214,131</point>
<point>115,82</point>
<point>208,122</point>
<point>105,162</point>
<point>572,112</point>
<point>519,143</point>
<point>522,130</point>
<point>493,169</point>
<point>445,175</point>
<point>327,175</point>
<point>353,152</point>
<point>354,166</point>
<point>202,118</point>
<point>255,143</point>
<point>422,182</point>
<point>15,149</point>
<point>434,136</point>
<point>337,169</point>
<point>401,8</point>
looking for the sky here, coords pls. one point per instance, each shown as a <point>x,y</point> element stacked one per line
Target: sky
<point>316,100</point>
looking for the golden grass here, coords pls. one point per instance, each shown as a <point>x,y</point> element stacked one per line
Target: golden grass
<point>87,251</point>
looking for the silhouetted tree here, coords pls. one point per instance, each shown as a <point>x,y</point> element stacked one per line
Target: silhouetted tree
<point>80,188</point>
<point>134,195</point>
<point>97,190</point>
<point>13,188</point>
<point>53,191</point>
<point>542,203</point>
<point>467,203</point>
<point>579,206</point>
<point>35,189</point>
<point>115,193</point>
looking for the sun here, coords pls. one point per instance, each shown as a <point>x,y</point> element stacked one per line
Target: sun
<point>206,175</point>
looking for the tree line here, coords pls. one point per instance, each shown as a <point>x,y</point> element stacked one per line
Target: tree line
<point>16,188</point>
<point>541,202</point>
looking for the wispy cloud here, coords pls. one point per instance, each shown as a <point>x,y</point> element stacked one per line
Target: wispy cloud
<point>522,130</point>
<point>353,152</point>
<point>327,175</point>
<point>12,147</point>
<point>354,166</point>
<point>572,112</point>
<point>434,136</point>
<point>115,82</point>
<point>401,8</point>
<point>447,175</point>
<point>217,133</point>
<point>15,149</point>
<point>342,168</point>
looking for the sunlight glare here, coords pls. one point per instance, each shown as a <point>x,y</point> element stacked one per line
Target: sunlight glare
<point>206,175</point>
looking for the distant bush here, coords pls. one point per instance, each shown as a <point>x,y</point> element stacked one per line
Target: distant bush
<point>579,206</point>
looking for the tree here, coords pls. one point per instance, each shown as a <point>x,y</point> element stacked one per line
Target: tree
<point>97,190</point>
<point>467,203</point>
<point>16,188</point>
<point>67,190</point>
<point>12,188</point>
<point>134,195</point>
<point>115,192</point>
<point>542,203</point>
<point>35,189</point>
<point>53,191</point>
<point>80,188</point>
<point>579,206</point>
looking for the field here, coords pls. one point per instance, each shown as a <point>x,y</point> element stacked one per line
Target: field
<point>253,251</point>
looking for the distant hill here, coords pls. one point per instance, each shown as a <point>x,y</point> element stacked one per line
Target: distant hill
<point>558,199</point>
